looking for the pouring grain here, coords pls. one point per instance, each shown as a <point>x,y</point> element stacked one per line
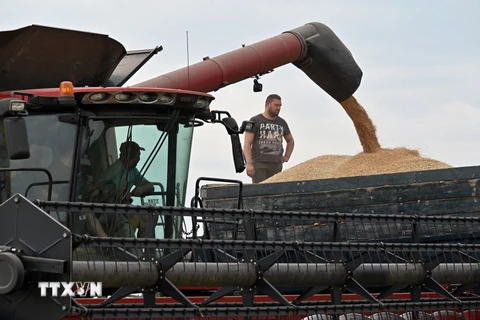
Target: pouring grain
<point>364,126</point>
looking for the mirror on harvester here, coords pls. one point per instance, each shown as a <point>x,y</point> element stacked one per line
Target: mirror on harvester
<point>238,157</point>
<point>231,125</point>
<point>16,138</point>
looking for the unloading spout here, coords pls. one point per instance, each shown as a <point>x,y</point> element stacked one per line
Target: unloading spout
<point>327,61</point>
<point>313,48</point>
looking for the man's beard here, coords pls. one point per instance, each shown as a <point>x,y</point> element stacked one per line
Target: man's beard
<point>273,113</point>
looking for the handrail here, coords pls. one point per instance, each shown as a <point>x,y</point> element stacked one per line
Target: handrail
<point>50,179</point>
<point>36,184</point>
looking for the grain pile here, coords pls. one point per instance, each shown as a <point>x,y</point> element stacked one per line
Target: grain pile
<point>373,160</point>
<point>337,166</point>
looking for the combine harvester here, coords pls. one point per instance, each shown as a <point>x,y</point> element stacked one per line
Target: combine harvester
<point>77,245</point>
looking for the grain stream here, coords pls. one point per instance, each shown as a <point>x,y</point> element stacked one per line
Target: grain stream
<point>364,126</point>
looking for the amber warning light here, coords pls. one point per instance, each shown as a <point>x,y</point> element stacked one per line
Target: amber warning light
<point>66,94</point>
<point>66,88</point>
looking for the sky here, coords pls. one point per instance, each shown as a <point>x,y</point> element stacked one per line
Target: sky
<point>420,61</point>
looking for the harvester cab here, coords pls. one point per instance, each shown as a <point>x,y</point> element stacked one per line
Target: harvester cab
<point>72,133</point>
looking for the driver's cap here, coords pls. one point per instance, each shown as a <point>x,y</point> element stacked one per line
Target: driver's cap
<point>130,146</point>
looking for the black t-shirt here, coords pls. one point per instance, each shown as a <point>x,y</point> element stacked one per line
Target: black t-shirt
<point>268,141</point>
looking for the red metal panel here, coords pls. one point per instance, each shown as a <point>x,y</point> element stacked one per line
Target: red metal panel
<point>232,67</point>
<point>260,298</point>
<point>433,314</point>
<point>473,314</point>
<point>448,315</point>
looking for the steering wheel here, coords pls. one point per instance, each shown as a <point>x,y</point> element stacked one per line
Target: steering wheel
<point>104,192</point>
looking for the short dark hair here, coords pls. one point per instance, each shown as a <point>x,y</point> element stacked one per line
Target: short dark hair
<point>272,97</point>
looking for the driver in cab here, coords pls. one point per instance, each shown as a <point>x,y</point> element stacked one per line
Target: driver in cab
<point>123,174</point>
<point>124,171</point>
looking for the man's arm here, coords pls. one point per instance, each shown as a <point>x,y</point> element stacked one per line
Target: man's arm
<point>289,148</point>
<point>145,187</point>
<point>247,150</point>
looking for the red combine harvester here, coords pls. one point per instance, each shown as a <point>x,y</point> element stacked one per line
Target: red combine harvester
<point>93,221</point>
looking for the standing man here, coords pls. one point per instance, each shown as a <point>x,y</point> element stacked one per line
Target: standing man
<point>263,145</point>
